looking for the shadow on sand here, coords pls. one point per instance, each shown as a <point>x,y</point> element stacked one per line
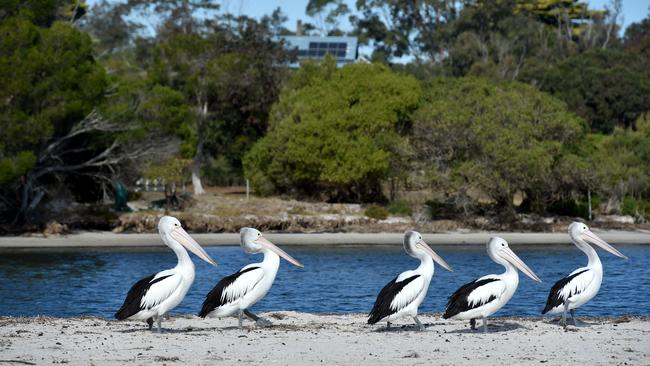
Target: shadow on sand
<point>405,328</point>
<point>494,326</point>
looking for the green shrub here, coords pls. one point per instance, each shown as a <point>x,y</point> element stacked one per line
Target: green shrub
<point>400,208</point>
<point>336,137</point>
<point>629,206</point>
<point>634,207</point>
<point>376,212</point>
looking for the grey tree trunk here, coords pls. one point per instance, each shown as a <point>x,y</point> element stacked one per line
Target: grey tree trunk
<point>196,170</point>
<point>198,157</point>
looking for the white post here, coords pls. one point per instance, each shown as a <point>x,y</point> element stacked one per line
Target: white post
<point>248,188</point>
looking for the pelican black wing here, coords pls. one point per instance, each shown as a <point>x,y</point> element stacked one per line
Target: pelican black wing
<point>382,307</point>
<point>216,298</point>
<point>132,304</point>
<point>554,299</point>
<point>458,302</point>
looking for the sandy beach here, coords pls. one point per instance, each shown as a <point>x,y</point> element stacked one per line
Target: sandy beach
<point>299,338</point>
<point>108,239</point>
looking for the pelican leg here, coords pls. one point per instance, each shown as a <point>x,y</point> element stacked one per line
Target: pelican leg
<point>576,322</point>
<point>150,323</point>
<point>388,325</point>
<point>240,315</point>
<point>566,308</point>
<point>260,322</point>
<point>573,317</point>
<point>418,323</point>
<point>472,324</point>
<point>485,325</point>
<point>159,325</point>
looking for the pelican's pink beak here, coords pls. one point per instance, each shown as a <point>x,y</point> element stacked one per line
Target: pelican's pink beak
<point>267,244</point>
<point>427,249</point>
<point>594,239</point>
<point>511,257</point>
<point>180,235</point>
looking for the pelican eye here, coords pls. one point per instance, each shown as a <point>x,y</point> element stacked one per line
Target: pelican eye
<point>503,245</point>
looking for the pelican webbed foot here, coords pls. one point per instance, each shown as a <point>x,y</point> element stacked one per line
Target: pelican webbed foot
<point>576,322</point>
<point>260,322</point>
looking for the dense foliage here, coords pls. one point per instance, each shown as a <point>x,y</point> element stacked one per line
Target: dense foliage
<point>508,106</point>
<point>336,134</point>
<point>482,141</point>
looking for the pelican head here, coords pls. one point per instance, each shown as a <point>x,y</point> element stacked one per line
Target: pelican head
<point>252,242</point>
<point>579,232</point>
<point>416,247</point>
<point>171,231</point>
<point>499,250</point>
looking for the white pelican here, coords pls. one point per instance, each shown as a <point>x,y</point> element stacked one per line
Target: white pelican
<point>582,284</point>
<point>403,295</point>
<point>234,294</point>
<point>153,296</point>
<point>484,296</point>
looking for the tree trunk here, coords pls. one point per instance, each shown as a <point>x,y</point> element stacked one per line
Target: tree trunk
<point>196,170</point>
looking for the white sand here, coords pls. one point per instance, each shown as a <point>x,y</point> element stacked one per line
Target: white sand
<point>109,239</point>
<point>300,339</point>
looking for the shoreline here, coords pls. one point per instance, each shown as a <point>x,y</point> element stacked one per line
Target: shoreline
<point>302,338</point>
<point>109,239</point>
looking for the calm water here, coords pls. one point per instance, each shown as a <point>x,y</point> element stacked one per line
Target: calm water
<point>335,280</point>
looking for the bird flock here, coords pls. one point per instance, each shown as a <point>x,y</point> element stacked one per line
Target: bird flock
<point>152,297</point>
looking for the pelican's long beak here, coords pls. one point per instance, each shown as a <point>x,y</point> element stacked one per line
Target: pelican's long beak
<point>434,255</point>
<point>180,235</point>
<point>594,239</point>
<point>264,242</point>
<point>511,257</point>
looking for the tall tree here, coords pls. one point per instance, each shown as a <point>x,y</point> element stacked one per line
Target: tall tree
<point>608,88</point>
<point>327,14</point>
<point>637,37</point>
<point>110,27</point>
<point>43,13</point>
<point>49,121</point>
<point>403,28</point>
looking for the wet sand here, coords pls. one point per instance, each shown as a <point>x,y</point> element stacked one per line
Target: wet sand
<point>108,239</point>
<point>299,339</point>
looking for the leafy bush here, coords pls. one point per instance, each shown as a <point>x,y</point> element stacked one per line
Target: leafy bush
<point>336,135</point>
<point>629,206</point>
<point>484,141</point>
<point>400,208</point>
<point>376,212</point>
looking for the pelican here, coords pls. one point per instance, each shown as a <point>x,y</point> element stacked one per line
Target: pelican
<point>236,293</point>
<point>403,295</point>
<point>155,295</point>
<point>583,284</point>
<point>484,296</point>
